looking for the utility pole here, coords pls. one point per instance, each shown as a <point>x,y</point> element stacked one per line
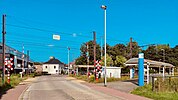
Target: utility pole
<point>68,60</point>
<point>28,60</point>
<point>101,47</point>
<point>23,56</point>
<point>94,51</point>
<point>131,47</point>
<point>3,47</point>
<point>87,60</point>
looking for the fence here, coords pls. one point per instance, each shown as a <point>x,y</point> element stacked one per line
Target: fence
<point>165,84</point>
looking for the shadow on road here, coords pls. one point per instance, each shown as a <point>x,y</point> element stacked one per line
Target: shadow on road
<point>134,81</point>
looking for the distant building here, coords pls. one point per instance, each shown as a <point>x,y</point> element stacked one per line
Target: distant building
<point>53,66</point>
<point>38,68</point>
<point>18,60</point>
<point>112,72</point>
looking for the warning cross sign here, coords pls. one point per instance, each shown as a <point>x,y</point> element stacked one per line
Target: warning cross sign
<point>9,62</point>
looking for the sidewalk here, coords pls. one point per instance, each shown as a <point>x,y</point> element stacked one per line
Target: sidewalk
<point>111,90</point>
<point>114,92</point>
<point>123,86</point>
<point>14,93</point>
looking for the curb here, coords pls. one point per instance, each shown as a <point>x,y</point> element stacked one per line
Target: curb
<point>22,94</point>
<point>21,97</point>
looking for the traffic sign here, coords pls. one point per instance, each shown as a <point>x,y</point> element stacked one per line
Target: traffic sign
<point>56,37</point>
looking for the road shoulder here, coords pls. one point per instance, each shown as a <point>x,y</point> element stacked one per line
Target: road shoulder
<point>16,92</point>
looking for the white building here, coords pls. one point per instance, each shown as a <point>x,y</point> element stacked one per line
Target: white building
<point>112,72</point>
<point>53,66</point>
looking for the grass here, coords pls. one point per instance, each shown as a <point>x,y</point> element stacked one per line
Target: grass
<point>146,91</point>
<point>91,79</point>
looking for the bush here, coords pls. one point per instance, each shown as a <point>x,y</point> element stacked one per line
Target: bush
<point>92,78</point>
<point>147,92</point>
<point>5,87</point>
<point>168,84</point>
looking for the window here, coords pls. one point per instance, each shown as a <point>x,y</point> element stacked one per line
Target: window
<point>54,67</point>
<point>46,67</point>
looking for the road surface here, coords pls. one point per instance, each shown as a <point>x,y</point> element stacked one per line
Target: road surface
<point>60,88</point>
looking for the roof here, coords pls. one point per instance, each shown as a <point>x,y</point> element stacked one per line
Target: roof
<point>85,66</point>
<point>53,61</point>
<point>134,61</point>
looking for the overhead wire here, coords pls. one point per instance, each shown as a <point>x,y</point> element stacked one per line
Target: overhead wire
<point>39,38</point>
<point>62,33</point>
<point>48,31</point>
<point>39,45</point>
<point>24,20</point>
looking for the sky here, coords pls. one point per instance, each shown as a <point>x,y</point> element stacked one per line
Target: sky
<point>32,23</point>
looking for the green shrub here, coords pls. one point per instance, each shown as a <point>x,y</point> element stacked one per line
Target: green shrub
<point>92,78</point>
<point>146,91</point>
<point>168,84</point>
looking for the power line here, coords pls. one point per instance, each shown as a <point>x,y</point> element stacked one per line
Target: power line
<point>28,20</point>
<point>39,38</point>
<point>44,30</point>
<point>39,45</point>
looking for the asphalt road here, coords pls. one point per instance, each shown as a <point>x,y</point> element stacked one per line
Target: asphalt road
<point>60,88</point>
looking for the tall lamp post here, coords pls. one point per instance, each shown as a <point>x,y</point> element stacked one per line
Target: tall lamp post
<point>163,60</point>
<point>105,79</point>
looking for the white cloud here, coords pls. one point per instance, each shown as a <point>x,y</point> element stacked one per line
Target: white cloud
<point>50,45</point>
<point>74,34</point>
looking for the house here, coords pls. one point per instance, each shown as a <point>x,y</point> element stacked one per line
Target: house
<point>53,66</point>
<point>38,68</point>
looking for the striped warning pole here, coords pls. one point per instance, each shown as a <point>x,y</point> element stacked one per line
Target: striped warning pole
<point>98,69</point>
<point>8,77</point>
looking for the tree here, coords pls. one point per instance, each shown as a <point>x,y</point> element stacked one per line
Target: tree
<point>119,49</point>
<point>172,56</point>
<point>156,53</point>
<point>120,60</point>
<point>109,61</point>
<point>82,60</point>
<point>152,53</point>
<point>135,50</point>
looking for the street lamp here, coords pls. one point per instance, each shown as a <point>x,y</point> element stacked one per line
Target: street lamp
<point>104,8</point>
<point>163,60</point>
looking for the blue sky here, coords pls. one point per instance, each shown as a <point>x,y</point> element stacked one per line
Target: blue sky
<point>147,21</point>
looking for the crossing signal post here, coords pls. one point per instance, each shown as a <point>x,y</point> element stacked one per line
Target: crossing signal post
<point>8,63</point>
<point>98,69</point>
<point>94,52</point>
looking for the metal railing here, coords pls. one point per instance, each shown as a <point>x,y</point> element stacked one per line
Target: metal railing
<point>166,83</point>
